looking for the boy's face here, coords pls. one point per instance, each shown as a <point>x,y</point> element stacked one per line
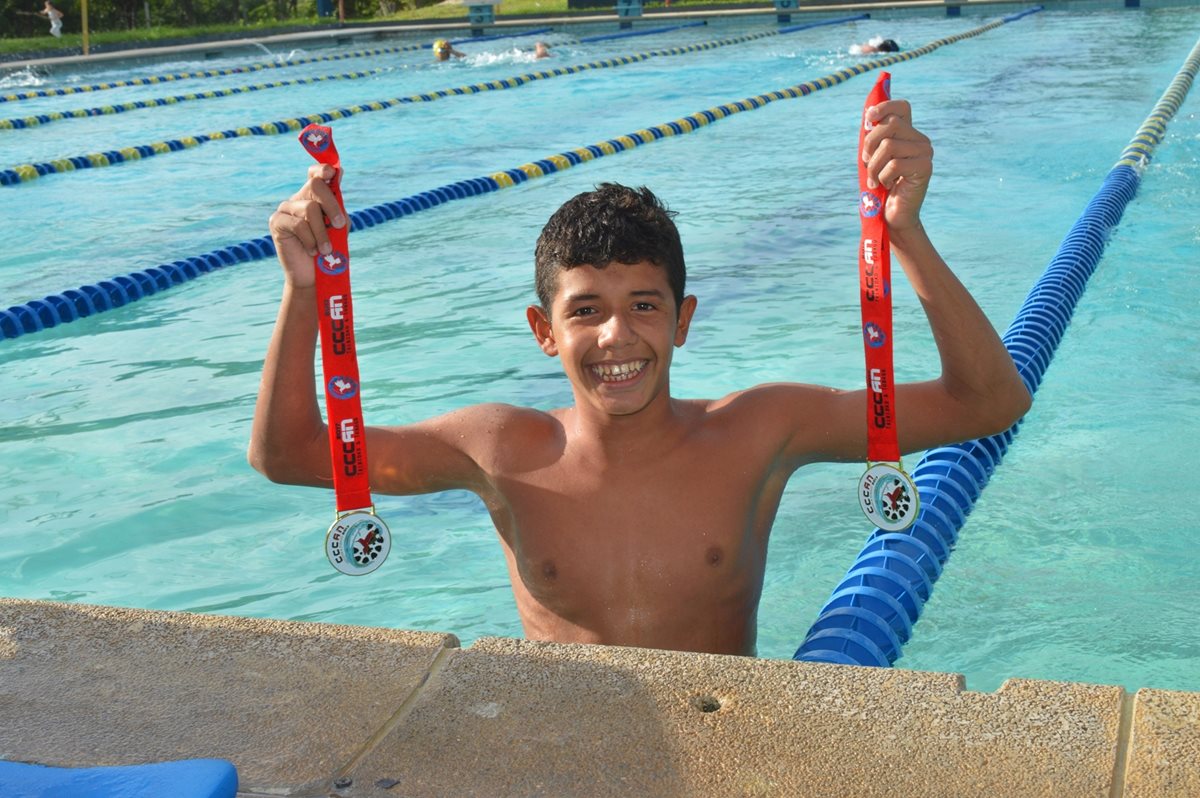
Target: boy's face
<point>615,330</point>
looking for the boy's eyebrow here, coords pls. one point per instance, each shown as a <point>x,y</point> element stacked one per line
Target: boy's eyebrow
<point>650,292</point>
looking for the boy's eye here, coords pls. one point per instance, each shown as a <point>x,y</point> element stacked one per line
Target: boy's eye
<point>643,306</point>
<point>584,311</point>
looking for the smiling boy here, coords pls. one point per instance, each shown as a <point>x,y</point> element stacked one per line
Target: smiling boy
<point>633,517</point>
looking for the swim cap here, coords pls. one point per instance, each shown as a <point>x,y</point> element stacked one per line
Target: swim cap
<point>441,44</point>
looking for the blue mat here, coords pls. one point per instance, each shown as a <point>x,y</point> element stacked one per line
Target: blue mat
<point>190,778</point>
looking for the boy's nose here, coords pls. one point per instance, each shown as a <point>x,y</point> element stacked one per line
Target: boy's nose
<point>616,332</point>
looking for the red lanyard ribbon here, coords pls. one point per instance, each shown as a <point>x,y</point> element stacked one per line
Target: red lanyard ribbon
<point>358,541</point>
<point>875,299</point>
<point>886,494</point>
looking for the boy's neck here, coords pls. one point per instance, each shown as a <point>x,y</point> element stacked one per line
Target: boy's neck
<point>653,428</point>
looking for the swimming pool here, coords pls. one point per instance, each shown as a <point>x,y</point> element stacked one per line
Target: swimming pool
<point>123,435</point>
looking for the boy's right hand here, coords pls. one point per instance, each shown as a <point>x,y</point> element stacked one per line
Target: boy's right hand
<point>298,226</point>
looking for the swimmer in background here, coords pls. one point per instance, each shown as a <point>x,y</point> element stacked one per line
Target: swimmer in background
<point>442,50</point>
<point>540,50</point>
<point>55,16</point>
<point>877,44</point>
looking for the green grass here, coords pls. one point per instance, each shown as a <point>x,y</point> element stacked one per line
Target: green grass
<point>74,41</point>
<point>149,36</point>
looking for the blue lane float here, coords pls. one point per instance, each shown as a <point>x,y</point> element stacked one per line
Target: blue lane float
<point>87,300</point>
<point>646,32</point>
<point>40,120</point>
<point>494,37</point>
<point>823,22</point>
<point>22,173</point>
<point>950,479</point>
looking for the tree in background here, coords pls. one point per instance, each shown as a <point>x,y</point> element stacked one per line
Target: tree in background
<point>17,18</point>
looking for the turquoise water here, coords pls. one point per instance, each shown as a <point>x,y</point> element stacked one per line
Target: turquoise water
<point>122,469</point>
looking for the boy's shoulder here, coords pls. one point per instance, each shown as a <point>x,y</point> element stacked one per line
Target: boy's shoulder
<point>500,417</point>
<point>501,424</point>
<point>772,397</point>
<point>786,417</point>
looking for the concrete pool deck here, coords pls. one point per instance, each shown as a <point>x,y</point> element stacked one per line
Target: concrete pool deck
<point>308,709</point>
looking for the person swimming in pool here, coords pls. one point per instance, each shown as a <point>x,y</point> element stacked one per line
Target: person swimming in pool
<point>442,50</point>
<point>540,50</point>
<point>634,517</point>
<point>876,44</point>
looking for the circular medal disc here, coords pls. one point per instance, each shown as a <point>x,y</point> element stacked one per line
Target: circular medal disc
<point>888,497</point>
<point>358,543</point>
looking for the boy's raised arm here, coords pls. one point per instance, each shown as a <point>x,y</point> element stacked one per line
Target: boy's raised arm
<point>289,441</point>
<point>979,392</point>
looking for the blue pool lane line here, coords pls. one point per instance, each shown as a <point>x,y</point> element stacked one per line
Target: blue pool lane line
<point>641,32</point>
<point>23,173</point>
<point>873,608</point>
<point>115,292</point>
<point>783,30</point>
<point>151,80</point>
<point>40,120</point>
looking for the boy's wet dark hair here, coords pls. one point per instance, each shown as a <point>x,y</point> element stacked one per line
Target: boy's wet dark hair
<point>888,46</point>
<point>613,224</point>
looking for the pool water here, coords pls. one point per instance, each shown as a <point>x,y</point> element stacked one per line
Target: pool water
<point>123,477</point>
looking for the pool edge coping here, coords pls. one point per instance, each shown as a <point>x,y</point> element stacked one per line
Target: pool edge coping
<point>504,715</point>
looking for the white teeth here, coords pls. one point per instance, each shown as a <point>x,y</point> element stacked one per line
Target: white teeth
<point>617,372</point>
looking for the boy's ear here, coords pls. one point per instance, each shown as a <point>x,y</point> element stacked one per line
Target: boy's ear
<point>539,322</point>
<point>684,322</point>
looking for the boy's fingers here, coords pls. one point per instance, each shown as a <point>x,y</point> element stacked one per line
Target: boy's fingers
<point>318,189</point>
<point>891,129</point>
<point>916,170</point>
<point>302,220</point>
<point>910,144</point>
<point>314,214</point>
<point>897,108</point>
<point>285,227</point>
<point>322,171</point>
<point>890,120</point>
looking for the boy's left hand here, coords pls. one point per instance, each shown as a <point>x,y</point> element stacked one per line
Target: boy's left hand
<point>899,157</point>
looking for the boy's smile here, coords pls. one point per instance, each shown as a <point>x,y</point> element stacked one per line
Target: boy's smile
<point>614,373</point>
<point>614,329</point>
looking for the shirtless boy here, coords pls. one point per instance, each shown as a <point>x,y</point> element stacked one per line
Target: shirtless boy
<point>633,517</point>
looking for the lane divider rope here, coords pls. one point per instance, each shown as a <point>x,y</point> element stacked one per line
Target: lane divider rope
<point>872,610</point>
<point>115,292</point>
<point>151,80</point>
<point>20,123</point>
<point>23,173</point>
<point>41,120</point>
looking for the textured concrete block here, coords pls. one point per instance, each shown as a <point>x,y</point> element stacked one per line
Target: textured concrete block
<point>288,703</point>
<point>516,718</point>
<point>1164,750</point>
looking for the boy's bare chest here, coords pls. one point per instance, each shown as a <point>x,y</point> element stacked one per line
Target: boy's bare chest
<point>692,513</point>
<point>691,488</point>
